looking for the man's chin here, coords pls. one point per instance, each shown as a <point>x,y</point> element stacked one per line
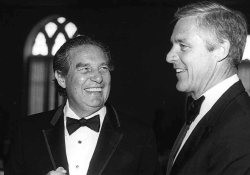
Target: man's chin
<point>92,108</point>
<point>97,104</point>
<point>180,87</point>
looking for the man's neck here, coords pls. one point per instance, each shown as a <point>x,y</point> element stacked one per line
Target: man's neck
<point>218,77</point>
<point>84,113</point>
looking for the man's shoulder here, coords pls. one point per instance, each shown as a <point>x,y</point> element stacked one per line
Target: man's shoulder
<point>239,99</point>
<point>244,100</point>
<point>235,98</point>
<point>241,105</point>
<point>235,114</point>
<point>130,123</point>
<point>39,119</point>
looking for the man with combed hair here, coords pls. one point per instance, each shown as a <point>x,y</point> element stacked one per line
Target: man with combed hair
<point>208,41</point>
<point>86,135</point>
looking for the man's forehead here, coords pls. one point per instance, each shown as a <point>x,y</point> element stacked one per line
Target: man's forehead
<point>186,29</point>
<point>179,38</point>
<point>87,55</point>
<point>182,29</point>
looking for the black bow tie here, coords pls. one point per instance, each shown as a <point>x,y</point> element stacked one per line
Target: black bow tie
<point>193,108</point>
<point>73,124</point>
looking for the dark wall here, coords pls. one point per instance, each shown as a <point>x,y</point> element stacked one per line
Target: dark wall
<point>137,32</point>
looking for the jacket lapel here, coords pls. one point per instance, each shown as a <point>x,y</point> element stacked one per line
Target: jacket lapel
<point>55,140</point>
<point>192,144</point>
<point>109,139</point>
<point>176,147</point>
<point>204,127</point>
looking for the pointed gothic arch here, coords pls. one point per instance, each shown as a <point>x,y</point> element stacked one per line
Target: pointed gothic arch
<point>39,93</point>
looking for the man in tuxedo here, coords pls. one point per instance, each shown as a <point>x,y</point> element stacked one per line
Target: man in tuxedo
<point>84,136</point>
<point>208,41</point>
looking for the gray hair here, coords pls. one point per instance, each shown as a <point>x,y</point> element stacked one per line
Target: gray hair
<point>226,24</point>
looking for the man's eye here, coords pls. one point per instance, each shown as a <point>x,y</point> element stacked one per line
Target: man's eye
<point>84,69</point>
<point>104,68</point>
<point>183,47</point>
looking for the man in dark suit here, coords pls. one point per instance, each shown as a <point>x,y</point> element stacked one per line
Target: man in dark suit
<point>85,136</point>
<point>208,43</point>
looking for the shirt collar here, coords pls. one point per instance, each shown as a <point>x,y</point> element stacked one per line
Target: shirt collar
<point>213,94</point>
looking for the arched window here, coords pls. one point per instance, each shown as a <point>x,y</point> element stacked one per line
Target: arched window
<point>41,45</point>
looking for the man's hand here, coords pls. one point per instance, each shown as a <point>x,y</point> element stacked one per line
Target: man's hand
<point>59,171</point>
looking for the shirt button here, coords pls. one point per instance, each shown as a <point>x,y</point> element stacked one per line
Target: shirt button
<point>77,166</point>
<point>79,141</point>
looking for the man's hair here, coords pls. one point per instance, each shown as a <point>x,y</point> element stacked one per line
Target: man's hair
<point>62,60</point>
<point>224,23</point>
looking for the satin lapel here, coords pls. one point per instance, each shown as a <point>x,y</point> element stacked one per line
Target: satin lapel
<point>204,127</point>
<point>109,139</point>
<point>55,140</point>
<point>192,144</point>
<point>175,147</point>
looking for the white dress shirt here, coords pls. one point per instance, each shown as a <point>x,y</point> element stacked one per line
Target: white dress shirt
<point>81,144</point>
<point>211,96</point>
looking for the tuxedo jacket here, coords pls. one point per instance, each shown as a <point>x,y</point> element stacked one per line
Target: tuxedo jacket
<point>220,143</point>
<point>124,147</point>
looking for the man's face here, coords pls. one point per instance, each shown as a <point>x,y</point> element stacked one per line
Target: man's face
<point>194,64</point>
<point>88,80</point>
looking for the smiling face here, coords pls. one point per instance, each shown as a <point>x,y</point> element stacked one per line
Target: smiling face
<point>88,80</point>
<point>194,63</point>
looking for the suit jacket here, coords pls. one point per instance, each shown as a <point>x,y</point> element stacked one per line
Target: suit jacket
<point>220,143</point>
<point>124,147</point>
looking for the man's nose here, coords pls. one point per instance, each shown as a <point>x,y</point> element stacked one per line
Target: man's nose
<point>96,77</point>
<point>171,56</point>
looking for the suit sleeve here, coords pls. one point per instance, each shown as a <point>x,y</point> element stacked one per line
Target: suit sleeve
<point>149,161</point>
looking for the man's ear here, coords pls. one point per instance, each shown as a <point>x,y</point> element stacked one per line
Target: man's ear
<point>60,79</point>
<point>223,50</point>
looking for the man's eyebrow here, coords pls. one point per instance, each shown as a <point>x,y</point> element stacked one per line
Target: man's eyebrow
<point>105,64</point>
<point>179,40</point>
<point>81,65</point>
